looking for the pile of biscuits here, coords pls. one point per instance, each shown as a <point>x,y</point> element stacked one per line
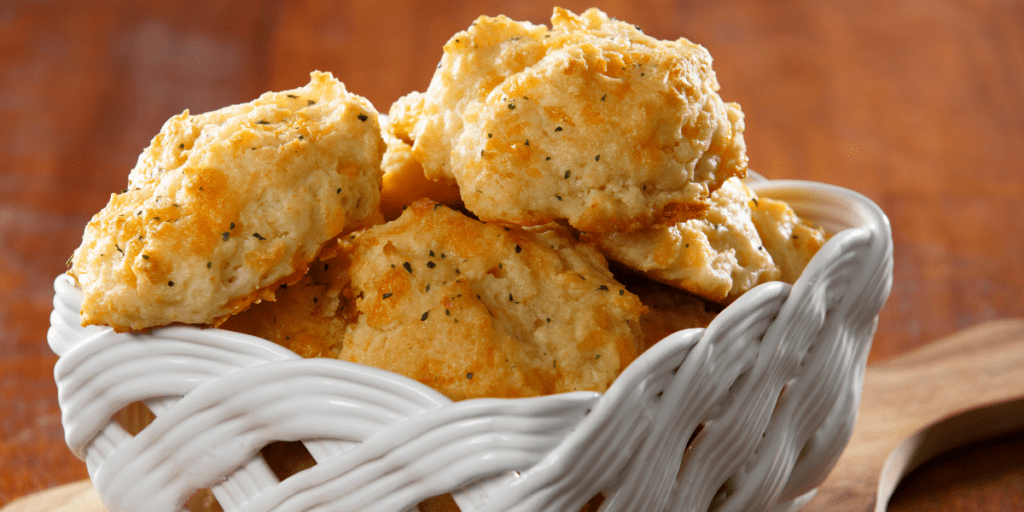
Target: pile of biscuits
<point>556,201</point>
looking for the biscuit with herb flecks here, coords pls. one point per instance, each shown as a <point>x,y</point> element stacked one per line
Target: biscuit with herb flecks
<point>471,309</point>
<point>591,121</point>
<point>718,256</point>
<point>223,207</point>
<point>790,240</point>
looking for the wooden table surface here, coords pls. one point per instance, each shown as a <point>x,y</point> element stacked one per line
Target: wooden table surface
<point>917,104</point>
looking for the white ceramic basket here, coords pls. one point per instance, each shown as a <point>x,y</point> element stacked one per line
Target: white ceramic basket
<point>748,414</point>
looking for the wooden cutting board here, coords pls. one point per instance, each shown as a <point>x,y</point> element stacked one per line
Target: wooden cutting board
<point>953,392</point>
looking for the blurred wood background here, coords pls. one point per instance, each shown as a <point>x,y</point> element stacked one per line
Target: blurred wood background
<point>917,104</point>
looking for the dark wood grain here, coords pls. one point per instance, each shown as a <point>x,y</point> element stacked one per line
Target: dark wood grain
<point>917,104</point>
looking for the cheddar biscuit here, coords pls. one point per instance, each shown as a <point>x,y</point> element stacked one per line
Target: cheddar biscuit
<point>790,240</point>
<point>224,206</point>
<point>718,256</point>
<point>404,180</point>
<point>591,121</point>
<point>470,309</point>
<point>669,309</point>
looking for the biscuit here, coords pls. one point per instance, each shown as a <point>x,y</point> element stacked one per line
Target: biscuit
<point>669,309</point>
<point>471,309</point>
<point>223,206</point>
<point>790,240</point>
<point>404,180</point>
<point>591,121</point>
<point>308,317</point>
<point>718,256</point>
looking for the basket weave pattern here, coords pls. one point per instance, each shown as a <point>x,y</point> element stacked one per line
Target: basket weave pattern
<point>748,414</point>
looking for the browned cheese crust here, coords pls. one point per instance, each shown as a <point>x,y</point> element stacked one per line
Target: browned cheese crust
<point>308,317</point>
<point>790,240</point>
<point>590,121</point>
<point>468,308</point>
<point>404,179</point>
<point>718,256</point>
<point>223,206</point>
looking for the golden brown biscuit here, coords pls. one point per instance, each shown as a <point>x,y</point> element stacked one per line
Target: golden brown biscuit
<point>591,121</point>
<point>790,240</point>
<point>472,309</point>
<point>223,206</point>
<point>718,256</point>
<point>404,181</point>
<point>668,309</point>
<point>309,317</point>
